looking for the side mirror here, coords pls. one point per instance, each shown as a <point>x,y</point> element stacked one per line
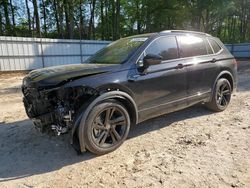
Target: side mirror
<point>152,59</point>
<point>148,60</point>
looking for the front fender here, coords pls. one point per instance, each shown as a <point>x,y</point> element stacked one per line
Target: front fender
<point>81,118</point>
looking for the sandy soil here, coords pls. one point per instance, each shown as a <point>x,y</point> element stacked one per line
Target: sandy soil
<point>189,148</point>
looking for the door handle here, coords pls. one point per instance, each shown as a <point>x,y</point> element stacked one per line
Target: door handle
<point>179,66</point>
<point>213,60</point>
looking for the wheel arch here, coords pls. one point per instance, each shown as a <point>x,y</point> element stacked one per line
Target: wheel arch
<point>227,75</point>
<point>79,124</point>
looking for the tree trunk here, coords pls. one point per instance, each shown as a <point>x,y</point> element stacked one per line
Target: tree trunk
<point>6,15</point>
<point>233,29</point>
<point>81,20</point>
<point>107,24</point>
<point>243,20</point>
<point>1,24</point>
<point>118,9</point>
<point>44,17</point>
<point>102,20</point>
<point>199,17</point>
<point>37,19</point>
<point>13,18</point>
<point>58,27</point>
<point>148,19</point>
<point>66,11</point>
<point>207,25</point>
<point>138,18</point>
<point>33,25</point>
<point>28,14</point>
<point>61,17</point>
<point>92,19</point>
<point>71,19</point>
<point>113,21</point>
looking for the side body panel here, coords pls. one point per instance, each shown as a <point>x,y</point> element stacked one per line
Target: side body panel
<point>161,89</point>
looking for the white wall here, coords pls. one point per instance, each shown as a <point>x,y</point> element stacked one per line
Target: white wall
<point>18,53</point>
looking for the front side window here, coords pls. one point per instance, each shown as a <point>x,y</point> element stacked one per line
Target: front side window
<point>214,45</point>
<point>118,51</point>
<point>190,46</point>
<point>165,47</point>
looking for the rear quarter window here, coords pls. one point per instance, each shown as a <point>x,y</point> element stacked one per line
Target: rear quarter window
<point>214,45</point>
<point>191,46</point>
<point>209,48</point>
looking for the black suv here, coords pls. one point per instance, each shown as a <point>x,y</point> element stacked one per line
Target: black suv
<point>129,81</point>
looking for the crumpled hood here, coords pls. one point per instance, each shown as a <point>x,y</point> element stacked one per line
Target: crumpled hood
<point>53,76</point>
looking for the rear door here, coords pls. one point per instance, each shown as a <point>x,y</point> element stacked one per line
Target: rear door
<point>201,65</point>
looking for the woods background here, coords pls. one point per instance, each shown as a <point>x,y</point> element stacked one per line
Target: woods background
<point>113,19</point>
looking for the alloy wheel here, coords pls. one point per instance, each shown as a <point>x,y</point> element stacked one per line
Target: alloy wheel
<point>109,127</point>
<point>223,95</point>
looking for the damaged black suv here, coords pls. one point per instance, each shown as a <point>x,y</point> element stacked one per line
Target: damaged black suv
<point>129,81</point>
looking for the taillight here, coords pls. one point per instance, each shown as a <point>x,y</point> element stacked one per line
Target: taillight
<point>235,62</point>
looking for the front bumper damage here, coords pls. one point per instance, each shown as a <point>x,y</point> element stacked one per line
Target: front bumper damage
<point>55,110</point>
<point>47,111</point>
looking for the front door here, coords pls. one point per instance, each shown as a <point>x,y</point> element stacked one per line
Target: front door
<point>163,88</point>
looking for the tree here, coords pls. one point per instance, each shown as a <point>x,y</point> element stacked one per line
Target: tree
<point>43,5</point>
<point>68,18</point>
<point>112,19</point>
<point>6,15</point>
<point>28,14</point>
<point>117,24</point>
<point>37,19</point>
<point>1,22</point>
<point>71,18</point>
<point>13,17</point>
<point>244,7</point>
<point>81,22</point>
<point>92,7</point>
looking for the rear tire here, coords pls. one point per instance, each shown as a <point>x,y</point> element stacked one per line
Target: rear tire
<point>221,96</point>
<point>107,127</point>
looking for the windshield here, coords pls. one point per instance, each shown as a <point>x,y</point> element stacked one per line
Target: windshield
<point>118,51</point>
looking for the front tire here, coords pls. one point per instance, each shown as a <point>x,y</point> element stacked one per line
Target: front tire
<point>107,126</point>
<point>221,96</point>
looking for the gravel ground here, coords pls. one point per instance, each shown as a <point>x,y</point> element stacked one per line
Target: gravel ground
<point>190,148</point>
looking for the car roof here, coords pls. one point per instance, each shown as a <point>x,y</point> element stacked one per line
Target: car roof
<point>183,32</point>
<point>142,35</point>
<point>170,32</point>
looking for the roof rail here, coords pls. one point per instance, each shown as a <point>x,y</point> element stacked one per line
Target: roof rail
<point>184,31</point>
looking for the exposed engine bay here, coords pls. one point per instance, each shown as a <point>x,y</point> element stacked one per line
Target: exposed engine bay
<point>55,109</point>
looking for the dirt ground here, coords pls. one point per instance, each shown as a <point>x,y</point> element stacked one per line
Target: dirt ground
<point>190,148</point>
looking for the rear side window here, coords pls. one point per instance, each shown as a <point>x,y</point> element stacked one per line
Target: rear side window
<point>209,49</point>
<point>165,47</point>
<point>191,46</point>
<point>214,45</point>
